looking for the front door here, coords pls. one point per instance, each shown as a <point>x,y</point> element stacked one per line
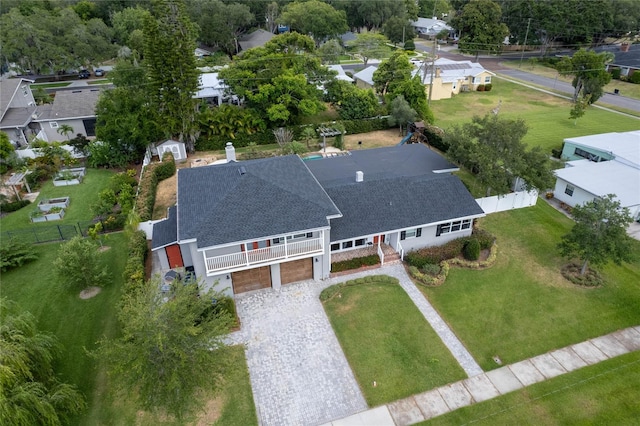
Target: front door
<point>378,238</point>
<point>174,256</point>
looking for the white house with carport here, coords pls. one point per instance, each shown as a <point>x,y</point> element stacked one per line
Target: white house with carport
<point>598,165</point>
<point>269,222</point>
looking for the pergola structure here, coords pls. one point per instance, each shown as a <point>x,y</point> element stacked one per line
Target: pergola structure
<point>18,179</point>
<point>327,131</point>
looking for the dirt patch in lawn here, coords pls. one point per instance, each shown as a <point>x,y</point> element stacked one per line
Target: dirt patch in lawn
<point>165,197</point>
<point>211,411</point>
<point>375,139</point>
<point>89,292</point>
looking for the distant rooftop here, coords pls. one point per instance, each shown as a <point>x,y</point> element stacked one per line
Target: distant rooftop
<point>623,145</point>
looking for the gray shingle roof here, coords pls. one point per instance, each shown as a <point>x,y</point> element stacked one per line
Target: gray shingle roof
<point>165,232</point>
<point>72,104</point>
<point>380,163</point>
<point>377,206</point>
<point>274,196</point>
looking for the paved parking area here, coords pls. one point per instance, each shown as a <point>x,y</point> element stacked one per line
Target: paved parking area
<point>299,374</point>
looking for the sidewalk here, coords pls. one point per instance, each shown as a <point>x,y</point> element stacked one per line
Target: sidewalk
<point>485,386</point>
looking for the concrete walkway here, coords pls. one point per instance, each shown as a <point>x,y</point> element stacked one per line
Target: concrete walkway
<point>298,372</point>
<point>436,402</point>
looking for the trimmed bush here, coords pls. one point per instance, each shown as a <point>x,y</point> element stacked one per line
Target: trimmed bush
<point>434,138</point>
<point>615,73</point>
<point>14,253</point>
<point>13,206</point>
<point>471,250</point>
<point>481,88</point>
<point>635,78</point>
<point>450,250</point>
<point>484,238</point>
<point>356,263</point>
<point>166,168</point>
<point>488,87</point>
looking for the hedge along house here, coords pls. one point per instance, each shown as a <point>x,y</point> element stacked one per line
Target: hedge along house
<point>269,222</point>
<point>598,165</point>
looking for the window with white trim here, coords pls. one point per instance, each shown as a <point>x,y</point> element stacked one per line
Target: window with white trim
<point>411,233</point>
<point>347,244</point>
<point>361,242</point>
<point>569,190</point>
<point>487,79</point>
<point>335,246</point>
<point>455,226</point>
<point>53,124</point>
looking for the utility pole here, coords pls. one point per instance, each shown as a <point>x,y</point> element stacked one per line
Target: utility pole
<point>526,35</point>
<point>433,69</point>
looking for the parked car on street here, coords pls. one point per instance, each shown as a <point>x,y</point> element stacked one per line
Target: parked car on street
<point>84,74</point>
<point>99,72</point>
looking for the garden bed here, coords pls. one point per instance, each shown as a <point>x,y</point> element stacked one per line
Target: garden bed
<point>69,176</point>
<point>46,205</point>
<point>55,213</point>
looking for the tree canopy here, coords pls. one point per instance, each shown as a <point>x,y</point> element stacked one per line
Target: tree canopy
<point>169,43</point>
<point>370,45</point>
<point>392,72</point>
<point>314,18</point>
<point>588,69</point>
<point>599,234</point>
<point>491,147</point>
<point>279,80</point>
<point>401,112</point>
<point>171,346</point>
<point>79,265</point>
<point>480,26</point>
<point>30,391</point>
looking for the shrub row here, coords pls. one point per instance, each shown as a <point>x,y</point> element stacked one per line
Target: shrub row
<point>216,143</point>
<point>14,253</point>
<point>13,206</point>
<point>450,250</point>
<point>356,263</point>
<point>153,174</point>
<point>426,275</point>
<point>434,138</point>
<point>330,292</point>
<point>485,88</point>
<point>134,274</point>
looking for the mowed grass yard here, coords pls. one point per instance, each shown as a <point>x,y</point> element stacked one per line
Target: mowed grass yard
<point>79,324</point>
<point>81,198</point>
<point>547,116</point>
<point>603,394</point>
<point>522,306</point>
<point>387,340</point>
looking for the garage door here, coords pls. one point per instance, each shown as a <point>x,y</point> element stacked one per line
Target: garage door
<point>298,270</point>
<point>251,279</point>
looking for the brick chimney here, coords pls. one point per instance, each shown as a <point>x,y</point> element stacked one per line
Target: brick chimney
<point>624,47</point>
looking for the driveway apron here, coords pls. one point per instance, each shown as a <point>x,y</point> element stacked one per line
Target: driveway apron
<point>299,374</point>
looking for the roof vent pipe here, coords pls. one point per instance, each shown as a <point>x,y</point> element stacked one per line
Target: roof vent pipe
<point>359,176</point>
<point>231,152</point>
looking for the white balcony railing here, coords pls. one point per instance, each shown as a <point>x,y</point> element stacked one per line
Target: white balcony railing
<point>241,260</point>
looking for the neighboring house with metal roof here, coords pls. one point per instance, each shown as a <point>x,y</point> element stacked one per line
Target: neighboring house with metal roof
<point>598,165</point>
<point>76,108</point>
<point>452,77</point>
<point>342,75</point>
<point>257,38</point>
<point>364,78</point>
<point>17,107</point>
<point>430,26</point>
<point>268,222</point>
<point>626,57</point>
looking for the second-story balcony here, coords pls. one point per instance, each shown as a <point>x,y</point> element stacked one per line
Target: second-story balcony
<point>287,250</point>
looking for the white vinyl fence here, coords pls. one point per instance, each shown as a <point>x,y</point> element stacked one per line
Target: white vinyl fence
<point>514,200</point>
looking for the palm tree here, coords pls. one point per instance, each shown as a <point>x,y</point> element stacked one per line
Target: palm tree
<point>65,129</point>
<point>30,391</point>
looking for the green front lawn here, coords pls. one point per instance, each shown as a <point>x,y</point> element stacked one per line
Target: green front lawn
<point>522,306</point>
<point>82,196</point>
<point>603,394</point>
<point>387,340</point>
<point>546,116</point>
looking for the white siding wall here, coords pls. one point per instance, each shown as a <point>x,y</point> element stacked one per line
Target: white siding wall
<point>428,238</point>
<point>580,196</point>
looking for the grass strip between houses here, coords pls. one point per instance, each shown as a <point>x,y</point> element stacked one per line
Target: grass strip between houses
<point>387,341</point>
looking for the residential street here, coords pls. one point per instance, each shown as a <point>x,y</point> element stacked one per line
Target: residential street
<point>494,64</point>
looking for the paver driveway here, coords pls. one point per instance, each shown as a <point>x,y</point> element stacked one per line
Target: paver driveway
<point>299,374</point>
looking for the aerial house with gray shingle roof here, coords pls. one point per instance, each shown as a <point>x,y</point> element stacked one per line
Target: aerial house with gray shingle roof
<point>76,108</point>
<point>264,223</point>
